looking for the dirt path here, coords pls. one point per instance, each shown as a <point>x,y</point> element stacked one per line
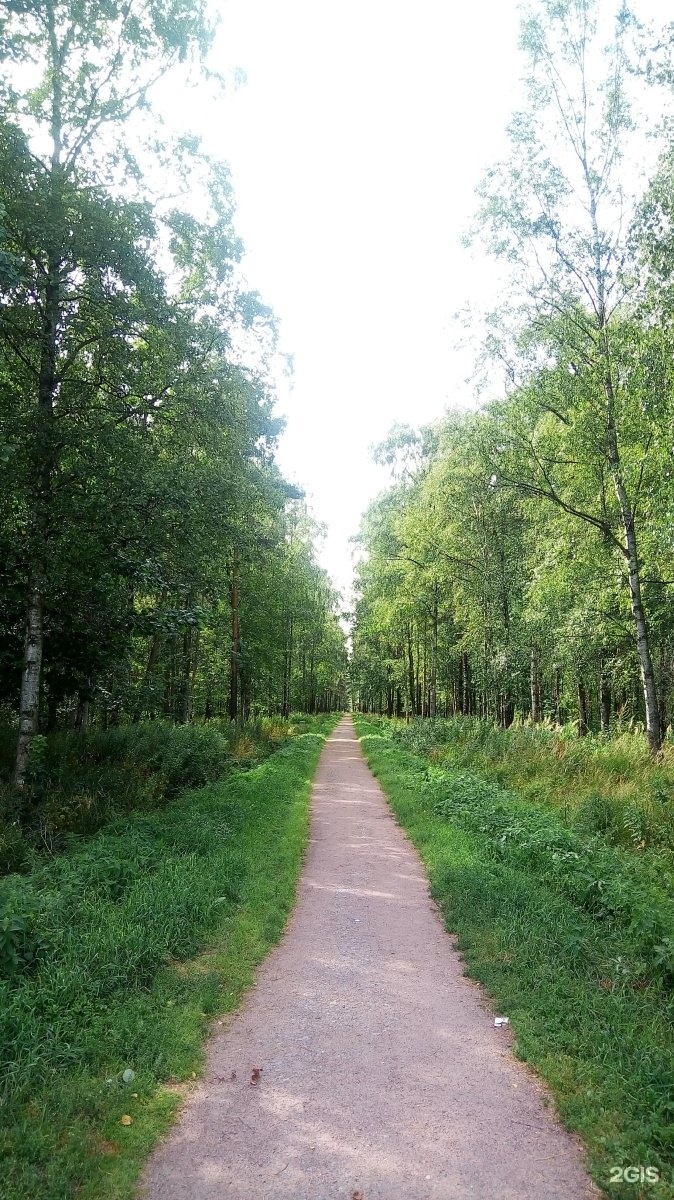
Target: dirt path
<point>382,1072</point>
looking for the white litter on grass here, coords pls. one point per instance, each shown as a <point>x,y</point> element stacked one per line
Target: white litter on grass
<point>499,1021</point>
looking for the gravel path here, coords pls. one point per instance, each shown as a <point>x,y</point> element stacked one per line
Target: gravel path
<point>383,1076</point>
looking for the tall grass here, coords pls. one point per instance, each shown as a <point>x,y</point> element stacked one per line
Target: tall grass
<point>611,786</point>
<point>78,782</point>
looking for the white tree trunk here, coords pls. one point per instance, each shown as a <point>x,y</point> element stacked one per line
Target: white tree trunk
<point>30,684</point>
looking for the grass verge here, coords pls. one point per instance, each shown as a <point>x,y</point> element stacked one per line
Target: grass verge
<point>116,958</point>
<point>559,935</point>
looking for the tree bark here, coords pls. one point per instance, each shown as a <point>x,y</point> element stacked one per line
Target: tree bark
<point>466,696</point>
<point>507,710</point>
<point>535,686</point>
<point>410,673</point>
<point>150,666</point>
<point>287,670</point>
<point>557,693</point>
<point>583,715</point>
<point>653,722</point>
<point>188,669</point>
<point>30,684</point>
<point>604,700</point>
<point>234,653</point>
<point>630,551</point>
<point>43,455</point>
<point>433,688</point>
<point>82,713</point>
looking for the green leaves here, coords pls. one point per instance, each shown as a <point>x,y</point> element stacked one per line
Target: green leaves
<point>136,424</point>
<point>539,519</point>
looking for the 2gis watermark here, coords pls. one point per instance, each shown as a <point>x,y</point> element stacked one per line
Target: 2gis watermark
<point>634,1175</point>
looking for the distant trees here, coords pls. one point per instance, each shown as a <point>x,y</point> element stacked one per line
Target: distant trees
<point>543,517</point>
<point>140,495</point>
<point>476,597</point>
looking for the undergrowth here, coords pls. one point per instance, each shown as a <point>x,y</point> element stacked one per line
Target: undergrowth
<point>608,785</point>
<point>116,954</point>
<point>573,935</point>
<point>80,781</point>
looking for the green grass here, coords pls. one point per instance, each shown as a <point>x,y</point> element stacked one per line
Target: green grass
<point>117,955</point>
<point>572,936</point>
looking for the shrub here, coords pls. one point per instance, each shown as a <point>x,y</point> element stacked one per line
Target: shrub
<point>79,782</point>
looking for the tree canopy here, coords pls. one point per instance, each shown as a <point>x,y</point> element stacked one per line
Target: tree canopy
<point>153,558</point>
<point>523,562</point>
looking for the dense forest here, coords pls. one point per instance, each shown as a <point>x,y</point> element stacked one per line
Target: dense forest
<point>153,560</point>
<point>521,563</point>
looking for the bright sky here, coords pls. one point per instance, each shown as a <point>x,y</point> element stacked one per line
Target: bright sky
<point>355,147</point>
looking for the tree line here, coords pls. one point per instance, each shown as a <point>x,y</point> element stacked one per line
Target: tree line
<point>153,560</point>
<point>522,561</point>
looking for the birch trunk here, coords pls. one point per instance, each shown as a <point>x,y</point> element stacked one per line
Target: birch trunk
<point>433,691</point>
<point>30,684</point>
<point>410,673</point>
<point>31,675</point>
<point>466,687</point>
<point>583,715</point>
<point>235,642</point>
<point>604,700</point>
<point>287,670</point>
<point>535,686</point>
<point>631,554</point>
<point>653,723</point>
<point>557,693</point>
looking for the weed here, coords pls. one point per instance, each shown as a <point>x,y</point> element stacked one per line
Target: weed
<point>611,785</point>
<point>78,782</point>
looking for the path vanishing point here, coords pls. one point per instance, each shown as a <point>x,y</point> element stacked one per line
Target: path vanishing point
<point>383,1077</point>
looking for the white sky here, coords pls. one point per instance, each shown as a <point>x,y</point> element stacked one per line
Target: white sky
<point>356,145</point>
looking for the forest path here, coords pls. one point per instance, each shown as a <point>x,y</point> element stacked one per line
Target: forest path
<point>382,1073</point>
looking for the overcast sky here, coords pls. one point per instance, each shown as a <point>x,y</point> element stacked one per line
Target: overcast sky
<point>356,145</point>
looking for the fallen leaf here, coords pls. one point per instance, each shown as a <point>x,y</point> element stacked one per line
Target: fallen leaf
<point>357,1196</point>
<point>126,1119</point>
<point>255,1077</point>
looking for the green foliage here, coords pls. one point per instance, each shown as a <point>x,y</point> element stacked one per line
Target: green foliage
<point>97,981</point>
<point>572,938</point>
<point>143,521</point>
<point>521,562</point>
<point>80,781</point>
<point>603,785</point>
<point>613,886</point>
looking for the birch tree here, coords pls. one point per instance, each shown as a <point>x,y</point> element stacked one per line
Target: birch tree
<point>93,67</point>
<point>557,212</point>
